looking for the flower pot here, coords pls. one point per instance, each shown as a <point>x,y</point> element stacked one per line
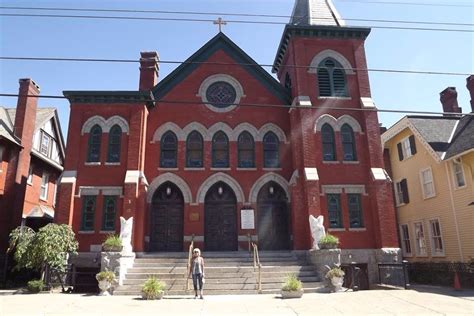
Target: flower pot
<point>337,283</point>
<point>104,285</point>
<point>292,294</point>
<point>112,248</point>
<point>157,296</point>
<point>327,246</point>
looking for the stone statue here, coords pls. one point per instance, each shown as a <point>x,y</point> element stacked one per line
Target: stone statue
<point>126,234</point>
<point>317,229</point>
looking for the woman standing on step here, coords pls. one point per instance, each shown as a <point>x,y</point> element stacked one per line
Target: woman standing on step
<point>196,270</point>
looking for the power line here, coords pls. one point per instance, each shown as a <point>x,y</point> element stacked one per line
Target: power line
<point>260,105</point>
<point>230,64</point>
<point>228,14</point>
<point>411,3</point>
<point>97,17</point>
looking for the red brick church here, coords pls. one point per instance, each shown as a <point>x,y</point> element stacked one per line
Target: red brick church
<point>193,157</point>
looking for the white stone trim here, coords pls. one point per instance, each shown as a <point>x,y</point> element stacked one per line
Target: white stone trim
<point>176,180</point>
<point>275,129</point>
<point>331,189</point>
<point>221,126</point>
<point>245,127</point>
<point>227,179</point>
<point>355,189</point>
<point>188,238</point>
<point>294,178</point>
<point>239,91</point>
<point>347,188</point>
<point>336,123</point>
<point>313,67</point>
<point>323,119</point>
<point>116,120</point>
<point>168,126</point>
<point>106,125</point>
<point>271,176</point>
<point>196,126</point>
<point>347,119</point>
<point>311,174</point>
<point>96,190</point>
<point>69,176</point>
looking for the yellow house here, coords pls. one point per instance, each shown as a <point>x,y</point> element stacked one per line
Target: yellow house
<point>432,169</point>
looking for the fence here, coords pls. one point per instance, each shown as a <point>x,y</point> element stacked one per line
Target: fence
<point>442,273</point>
<point>394,274</point>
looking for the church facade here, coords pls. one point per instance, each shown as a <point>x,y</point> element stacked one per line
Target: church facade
<point>220,151</point>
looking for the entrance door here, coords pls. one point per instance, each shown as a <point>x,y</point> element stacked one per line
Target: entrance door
<point>273,218</point>
<point>220,219</point>
<point>167,212</point>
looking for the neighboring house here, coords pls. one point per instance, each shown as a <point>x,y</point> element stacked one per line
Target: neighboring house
<point>31,162</point>
<point>432,168</point>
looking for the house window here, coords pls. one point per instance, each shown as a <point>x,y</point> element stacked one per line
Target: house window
<point>355,211</point>
<point>271,151</point>
<point>458,171</point>
<point>220,150</point>
<point>30,175</point>
<point>45,145</point>
<point>329,145</point>
<point>436,238</point>
<point>348,143</point>
<point>169,150</point>
<point>44,186</point>
<point>110,205</point>
<point>95,137</point>
<point>88,211</point>
<point>420,242</point>
<point>331,79</point>
<point>334,210</point>
<point>194,149</point>
<point>427,183</point>
<point>406,148</point>
<point>401,192</point>
<point>246,150</point>
<point>405,240</point>
<point>115,136</point>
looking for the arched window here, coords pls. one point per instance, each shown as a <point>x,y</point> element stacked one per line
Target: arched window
<point>115,137</point>
<point>220,150</point>
<point>331,79</point>
<point>194,149</point>
<point>95,138</point>
<point>288,84</point>
<point>246,150</point>
<point>329,145</point>
<point>348,143</point>
<point>271,151</point>
<point>169,150</point>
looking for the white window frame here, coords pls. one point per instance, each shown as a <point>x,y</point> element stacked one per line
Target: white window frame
<point>423,183</point>
<point>398,193</point>
<point>44,187</point>
<point>420,240</point>
<point>405,240</point>
<point>435,253</point>
<point>458,162</point>
<point>30,175</point>
<point>406,148</point>
<point>50,142</point>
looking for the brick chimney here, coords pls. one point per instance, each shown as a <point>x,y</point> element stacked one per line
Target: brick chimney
<point>449,100</point>
<point>25,116</point>
<point>470,87</point>
<point>148,70</point>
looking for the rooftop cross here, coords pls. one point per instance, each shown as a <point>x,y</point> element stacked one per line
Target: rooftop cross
<point>220,22</point>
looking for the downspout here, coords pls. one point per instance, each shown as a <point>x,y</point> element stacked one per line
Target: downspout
<point>453,208</point>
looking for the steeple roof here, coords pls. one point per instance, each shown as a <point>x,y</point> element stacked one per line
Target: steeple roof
<point>315,12</point>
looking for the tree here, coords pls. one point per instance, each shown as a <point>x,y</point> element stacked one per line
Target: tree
<point>49,247</point>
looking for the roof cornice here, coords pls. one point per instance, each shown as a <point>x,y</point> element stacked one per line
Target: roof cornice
<point>110,97</point>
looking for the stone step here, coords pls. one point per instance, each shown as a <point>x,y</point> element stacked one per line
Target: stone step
<point>247,280</point>
<point>216,264</point>
<point>214,260</point>
<point>211,270</point>
<point>221,254</point>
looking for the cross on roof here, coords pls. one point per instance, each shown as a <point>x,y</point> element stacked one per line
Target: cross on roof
<point>220,22</point>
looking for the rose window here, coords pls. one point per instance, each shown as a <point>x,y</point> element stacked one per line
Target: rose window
<point>221,94</point>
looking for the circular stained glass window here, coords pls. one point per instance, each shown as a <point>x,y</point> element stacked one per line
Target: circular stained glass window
<point>221,94</point>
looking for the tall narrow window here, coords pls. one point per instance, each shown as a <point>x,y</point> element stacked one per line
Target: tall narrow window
<point>194,150</point>
<point>458,171</point>
<point>420,239</point>
<point>331,79</point>
<point>329,145</point>
<point>401,192</point>
<point>246,150</point>
<point>115,137</point>
<point>88,212</point>
<point>95,137</point>
<point>30,175</point>
<point>427,183</point>
<point>406,246</point>
<point>169,150</point>
<point>334,210</point>
<point>220,150</point>
<point>355,211</point>
<point>45,145</point>
<point>271,151</point>
<point>348,143</point>
<point>44,186</point>
<point>288,85</point>
<point>437,247</point>
<point>108,218</point>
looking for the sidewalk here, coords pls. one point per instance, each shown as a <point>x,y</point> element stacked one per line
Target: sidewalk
<point>381,302</point>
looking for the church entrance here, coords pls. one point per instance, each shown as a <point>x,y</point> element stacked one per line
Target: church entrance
<point>273,218</point>
<point>220,219</point>
<point>167,213</point>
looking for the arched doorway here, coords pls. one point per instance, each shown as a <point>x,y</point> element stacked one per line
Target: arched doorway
<point>273,218</point>
<point>166,219</point>
<point>220,218</point>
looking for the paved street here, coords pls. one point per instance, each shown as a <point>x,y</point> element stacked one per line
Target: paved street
<point>381,302</point>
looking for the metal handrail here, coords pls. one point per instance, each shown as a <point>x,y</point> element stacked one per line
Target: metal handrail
<point>257,264</point>
<point>190,255</point>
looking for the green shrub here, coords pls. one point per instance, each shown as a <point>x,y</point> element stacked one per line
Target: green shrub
<point>153,288</point>
<point>328,242</point>
<point>292,283</point>
<point>112,243</point>
<point>105,275</point>
<point>335,272</point>
<point>35,286</point>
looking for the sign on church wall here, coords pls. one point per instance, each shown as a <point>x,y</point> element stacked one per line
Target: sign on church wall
<point>247,219</point>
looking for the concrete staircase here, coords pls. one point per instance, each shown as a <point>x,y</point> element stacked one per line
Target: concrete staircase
<point>226,273</point>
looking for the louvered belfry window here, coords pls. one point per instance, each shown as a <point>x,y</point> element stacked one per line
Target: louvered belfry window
<point>331,79</point>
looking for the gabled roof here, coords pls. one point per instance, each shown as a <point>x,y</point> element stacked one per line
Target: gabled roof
<point>315,12</point>
<point>6,127</point>
<point>220,42</point>
<point>463,138</point>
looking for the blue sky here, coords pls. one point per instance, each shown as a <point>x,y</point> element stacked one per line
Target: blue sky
<point>124,39</point>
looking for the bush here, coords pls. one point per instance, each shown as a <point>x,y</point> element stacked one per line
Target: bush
<point>335,272</point>
<point>35,286</point>
<point>105,275</point>
<point>153,288</point>
<point>112,243</point>
<point>292,283</point>
<point>328,242</point>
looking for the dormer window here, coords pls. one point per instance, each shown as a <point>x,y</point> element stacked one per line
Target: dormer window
<point>406,148</point>
<point>45,145</point>
<point>331,79</point>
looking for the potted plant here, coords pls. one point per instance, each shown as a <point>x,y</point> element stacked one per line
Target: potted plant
<point>112,243</point>
<point>35,286</point>
<point>292,288</point>
<point>336,277</point>
<point>153,289</point>
<point>105,279</point>
<point>328,242</point>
